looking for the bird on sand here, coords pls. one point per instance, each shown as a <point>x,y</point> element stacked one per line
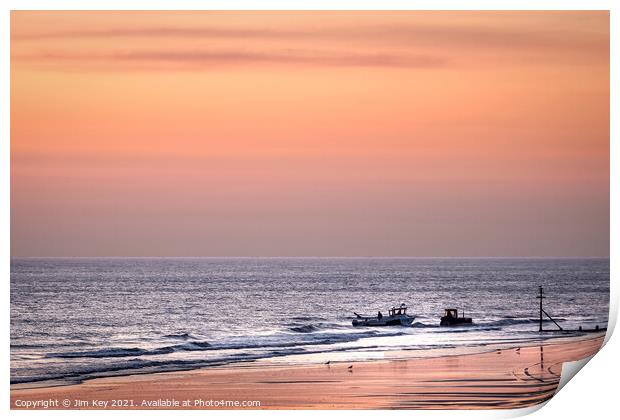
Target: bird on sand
<point>350,367</point>
<point>328,362</point>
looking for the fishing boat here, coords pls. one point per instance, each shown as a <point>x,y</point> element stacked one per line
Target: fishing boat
<point>451,317</point>
<point>397,315</point>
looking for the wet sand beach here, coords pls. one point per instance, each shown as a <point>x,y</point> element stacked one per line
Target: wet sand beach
<point>507,378</point>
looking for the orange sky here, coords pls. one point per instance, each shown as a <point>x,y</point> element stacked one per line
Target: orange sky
<point>310,133</point>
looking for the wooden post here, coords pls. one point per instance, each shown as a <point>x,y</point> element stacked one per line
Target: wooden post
<point>540,297</point>
<point>540,289</point>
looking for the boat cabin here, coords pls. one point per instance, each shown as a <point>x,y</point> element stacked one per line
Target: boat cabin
<point>400,310</point>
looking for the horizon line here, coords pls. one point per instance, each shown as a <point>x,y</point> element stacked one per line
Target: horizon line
<point>309,257</point>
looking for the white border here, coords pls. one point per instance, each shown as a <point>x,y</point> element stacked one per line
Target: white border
<point>592,395</point>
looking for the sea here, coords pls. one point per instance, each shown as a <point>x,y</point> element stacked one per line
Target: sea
<point>79,318</point>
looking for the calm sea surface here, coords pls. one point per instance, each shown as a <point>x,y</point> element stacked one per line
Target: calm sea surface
<point>73,319</point>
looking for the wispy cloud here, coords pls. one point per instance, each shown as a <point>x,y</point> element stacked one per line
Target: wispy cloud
<point>395,45</point>
<point>203,32</point>
<point>401,34</point>
<point>212,58</point>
